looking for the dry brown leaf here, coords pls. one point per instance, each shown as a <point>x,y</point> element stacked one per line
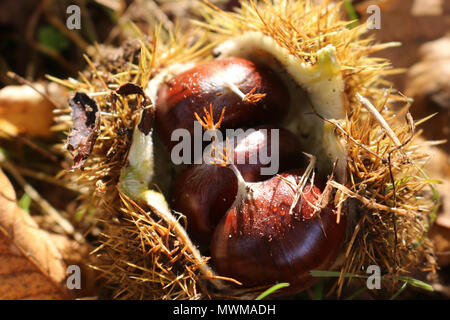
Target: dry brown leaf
<point>31,267</point>
<point>431,76</point>
<point>411,22</point>
<point>24,111</point>
<point>74,253</point>
<point>439,168</point>
<point>428,82</point>
<point>86,122</point>
<point>441,239</point>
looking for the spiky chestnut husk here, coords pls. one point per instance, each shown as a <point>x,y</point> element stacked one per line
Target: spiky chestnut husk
<point>268,237</point>
<point>203,193</point>
<point>302,36</point>
<point>221,83</point>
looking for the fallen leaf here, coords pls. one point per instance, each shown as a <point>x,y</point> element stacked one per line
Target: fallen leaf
<point>439,168</point>
<point>411,22</point>
<point>74,253</point>
<point>430,77</point>
<point>429,85</point>
<point>86,122</point>
<point>441,238</point>
<point>24,111</point>
<point>31,267</point>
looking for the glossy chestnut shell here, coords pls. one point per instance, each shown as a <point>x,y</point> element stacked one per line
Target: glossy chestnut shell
<point>259,242</point>
<point>205,192</point>
<point>191,91</point>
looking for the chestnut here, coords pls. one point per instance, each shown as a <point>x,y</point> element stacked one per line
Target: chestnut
<point>252,94</point>
<point>268,237</point>
<point>205,192</point>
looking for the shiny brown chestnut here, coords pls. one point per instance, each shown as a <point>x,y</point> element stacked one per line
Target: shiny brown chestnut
<point>252,94</point>
<point>205,192</point>
<point>261,241</point>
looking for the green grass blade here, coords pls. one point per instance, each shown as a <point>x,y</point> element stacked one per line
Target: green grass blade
<point>437,200</point>
<point>409,280</point>
<point>399,291</point>
<point>318,290</point>
<point>25,202</point>
<point>351,12</point>
<point>52,38</point>
<point>398,183</point>
<point>416,283</point>
<point>272,289</point>
<point>357,293</point>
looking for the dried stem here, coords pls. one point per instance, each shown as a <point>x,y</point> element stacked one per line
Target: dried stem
<point>374,112</point>
<point>250,97</point>
<point>370,204</point>
<point>24,81</point>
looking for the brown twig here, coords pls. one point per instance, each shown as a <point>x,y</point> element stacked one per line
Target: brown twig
<point>32,145</point>
<point>24,81</point>
<point>369,204</point>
